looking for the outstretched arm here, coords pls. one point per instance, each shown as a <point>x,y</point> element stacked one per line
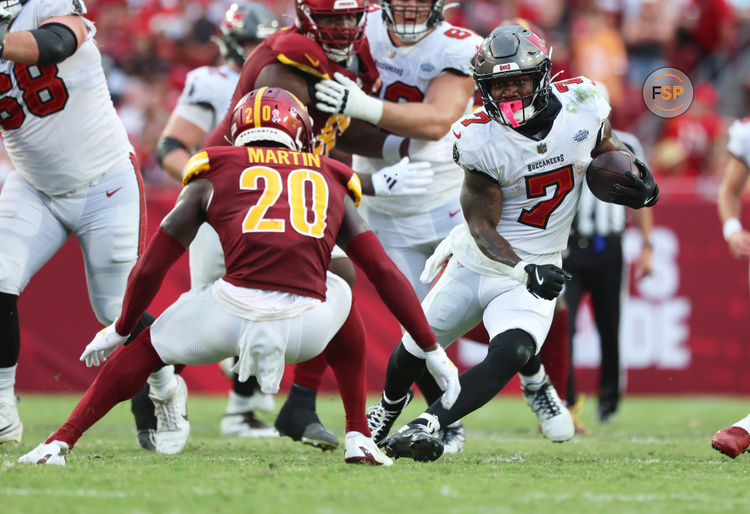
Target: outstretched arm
<point>733,182</point>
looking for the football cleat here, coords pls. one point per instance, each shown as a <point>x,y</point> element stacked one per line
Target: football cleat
<point>554,418</point>
<point>297,419</point>
<point>145,420</point>
<point>11,428</point>
<point>382,416</point>
<point>731,441</point>
<point>147,439</point>
<point>363,450</point>
<point>172,425</point>
<point>246,425</point>
<point>453,437</point>
<point>53,453</point>
<point>414,441</point>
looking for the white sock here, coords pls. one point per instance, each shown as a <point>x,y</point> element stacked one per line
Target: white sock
<point>744,423</point>
<point>162,381</point>
<point>534,381</point>
<point>8,377</point>
<point>238,404</point>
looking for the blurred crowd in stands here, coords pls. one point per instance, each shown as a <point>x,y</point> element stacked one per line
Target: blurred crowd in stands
<point>150,45</point>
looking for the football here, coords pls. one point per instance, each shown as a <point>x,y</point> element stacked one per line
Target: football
<point>608,169</point>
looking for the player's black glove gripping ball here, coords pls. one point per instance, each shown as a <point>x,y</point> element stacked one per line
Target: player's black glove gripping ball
<point>546,280</point>
<point>643,191</point>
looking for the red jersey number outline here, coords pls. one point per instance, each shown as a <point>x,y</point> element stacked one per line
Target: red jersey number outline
<point>536,185</point>
<point>43,92</point>
<point>399,91</point>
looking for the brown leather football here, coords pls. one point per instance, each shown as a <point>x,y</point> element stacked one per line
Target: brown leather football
<point>608,169</point>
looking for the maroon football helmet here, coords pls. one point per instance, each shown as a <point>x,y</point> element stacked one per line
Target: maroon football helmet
<point>337,41</point>
<point>271,114</point>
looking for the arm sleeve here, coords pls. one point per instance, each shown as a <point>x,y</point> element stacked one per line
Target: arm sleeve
<point>146,277</point>
<point>56,42</point>
<point>366,252</point>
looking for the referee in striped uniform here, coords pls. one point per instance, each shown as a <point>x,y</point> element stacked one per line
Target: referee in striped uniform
<point>594,258</point>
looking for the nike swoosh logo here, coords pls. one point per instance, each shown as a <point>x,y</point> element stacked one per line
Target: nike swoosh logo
<point>451,214</point>
<point>539,279</point>
<point>110,193</point>
<point>458,136</point>
<point>314,62</point>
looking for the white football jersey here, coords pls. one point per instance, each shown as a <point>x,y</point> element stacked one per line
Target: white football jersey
<point>540,180</point>
<point>210,87</point>
<point>406,73</point>
<point>59,126</point>
<point>739,140</point>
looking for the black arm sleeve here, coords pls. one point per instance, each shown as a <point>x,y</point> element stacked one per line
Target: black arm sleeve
<point>56,42</point>
<point>165,146</point>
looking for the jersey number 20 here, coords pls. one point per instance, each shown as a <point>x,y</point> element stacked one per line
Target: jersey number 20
<point>256,221</point>
<point>43,92</point>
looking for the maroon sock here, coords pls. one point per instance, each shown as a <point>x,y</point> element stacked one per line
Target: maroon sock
<point>346,355</point>
<point>310,373</point>
<point>120,378</point>
<point>555,353</point>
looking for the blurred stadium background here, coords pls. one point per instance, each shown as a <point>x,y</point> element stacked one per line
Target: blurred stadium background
<point>683,327</point>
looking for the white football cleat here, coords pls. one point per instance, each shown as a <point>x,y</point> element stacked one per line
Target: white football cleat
<point>554,418</point>
<point>246,424</point>
<point>54,453</point>
<point>11,427</point>
<point>172,425</point>
<point>363,450</point>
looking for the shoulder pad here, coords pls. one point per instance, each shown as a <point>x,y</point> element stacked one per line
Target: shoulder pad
<point>51,8</point>
<point>204,85</point>
<point>584,94</point>
<point>196,165</point>
<point>347,177</point>
<point>301,52</point>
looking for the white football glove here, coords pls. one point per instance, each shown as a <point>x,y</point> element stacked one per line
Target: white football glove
<point>436,261</point>
<point>9,9</point>
<point>343,96</point>
<point>445,374</point>
<point>104,343</point>
<point>402,178</point>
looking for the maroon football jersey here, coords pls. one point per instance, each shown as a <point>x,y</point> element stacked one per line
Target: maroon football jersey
<point>277,213</point>
<point>289,47</point>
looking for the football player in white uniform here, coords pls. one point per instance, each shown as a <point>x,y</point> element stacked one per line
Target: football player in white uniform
<point>204,100</point>
<point>75,170</point>
<point>425,67</point>
<point>734,440</point>
<point>524,157</point>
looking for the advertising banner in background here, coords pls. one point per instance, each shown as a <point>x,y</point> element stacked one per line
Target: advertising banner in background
<point>683,330</point>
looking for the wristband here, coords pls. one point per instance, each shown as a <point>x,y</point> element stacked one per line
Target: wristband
<point>392,148</point>
<point>519,273</point>
<point>731,226</point>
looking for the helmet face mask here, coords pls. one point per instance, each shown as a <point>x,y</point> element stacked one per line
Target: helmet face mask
<point>271,114</point>
<point>411,23</point>
<point>242,24</point>
<point>338,40</point>
<point>508,52</point>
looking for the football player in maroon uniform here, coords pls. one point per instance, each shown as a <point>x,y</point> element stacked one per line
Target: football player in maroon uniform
<point>278,210</point>
<point>328,38</point>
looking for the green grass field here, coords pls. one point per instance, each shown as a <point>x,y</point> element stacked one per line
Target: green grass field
<point>655,457</point>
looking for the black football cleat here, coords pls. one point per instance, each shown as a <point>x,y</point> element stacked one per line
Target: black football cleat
<point>145,418</point>
<point>382,416</point>
<point>297,419</point>
<point>414,441</point>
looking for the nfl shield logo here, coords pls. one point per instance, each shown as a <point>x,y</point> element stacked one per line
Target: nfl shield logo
<point>541,147</point>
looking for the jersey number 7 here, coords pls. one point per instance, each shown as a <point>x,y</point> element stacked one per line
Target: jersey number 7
<point>536,186</point>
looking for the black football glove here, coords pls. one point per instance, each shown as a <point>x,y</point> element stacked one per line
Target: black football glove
<point>546,280</point>
<point>643,191</point>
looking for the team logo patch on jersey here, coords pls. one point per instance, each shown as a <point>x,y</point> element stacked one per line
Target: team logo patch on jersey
<point>581,135</point>
<point>541,147</point>
<point>427,67</point>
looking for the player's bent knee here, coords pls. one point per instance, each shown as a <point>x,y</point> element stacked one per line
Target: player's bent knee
<point>516,345</point>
